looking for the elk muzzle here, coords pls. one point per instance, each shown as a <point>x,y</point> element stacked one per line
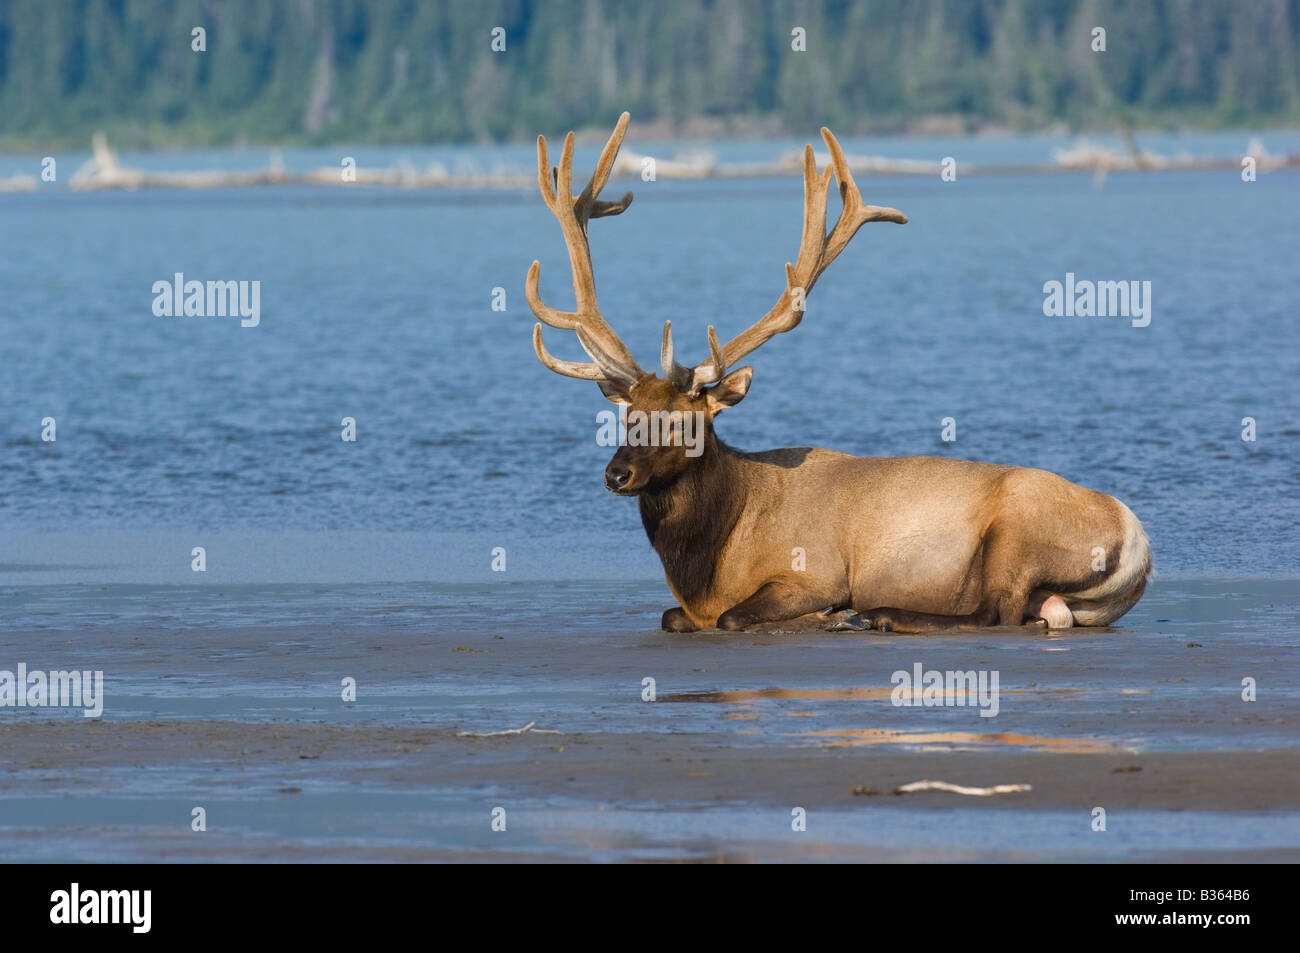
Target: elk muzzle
<point>618,476</point>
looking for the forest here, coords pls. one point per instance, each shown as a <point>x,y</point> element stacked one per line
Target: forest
<point>218,72</point>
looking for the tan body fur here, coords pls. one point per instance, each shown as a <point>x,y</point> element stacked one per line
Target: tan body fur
<point>932,535</point>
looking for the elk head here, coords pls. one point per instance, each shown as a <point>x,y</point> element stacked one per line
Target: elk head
<point>678,408</point>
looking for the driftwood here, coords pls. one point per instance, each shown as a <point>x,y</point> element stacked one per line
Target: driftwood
<point>19,183</point>
<point>103,171</point>
<point>917,786</point>
<point>511,731</point>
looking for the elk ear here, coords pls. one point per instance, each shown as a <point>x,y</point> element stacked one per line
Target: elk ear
<point>615,391</point>
<point>729,391</point>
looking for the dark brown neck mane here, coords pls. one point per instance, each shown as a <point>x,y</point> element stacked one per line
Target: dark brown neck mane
<point>689,519</point>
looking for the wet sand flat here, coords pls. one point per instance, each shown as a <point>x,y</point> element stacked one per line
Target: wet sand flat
<point>642,767</point>
<point>743,796</point>
<point>756,746</point>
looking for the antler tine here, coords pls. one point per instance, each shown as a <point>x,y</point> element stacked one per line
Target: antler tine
<point>544,174</point>
<point>585,372</point>
<point>612,369</point>
<point>601,370</point>
<point>856,213</point>
<point>564,171</point>
<point>613,389</point>
<point>682,377</point>
<point>603,346</point>
<point>711,371</point>
<point>587,206</point>
<point>817,250</point>
<point>565,320</point>
<point>692,380</point>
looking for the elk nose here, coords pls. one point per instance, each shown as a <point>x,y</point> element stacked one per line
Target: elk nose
<point>617,476</point>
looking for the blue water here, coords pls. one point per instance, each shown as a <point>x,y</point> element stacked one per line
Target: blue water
<point>326,821</point>
<point>377,305</point>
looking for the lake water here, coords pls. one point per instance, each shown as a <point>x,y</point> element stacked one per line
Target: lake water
<point>377,305</point>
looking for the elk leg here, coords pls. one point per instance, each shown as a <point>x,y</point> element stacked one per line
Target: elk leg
<point>1006,608</point>
<point>676,620</point>
<point>772,603</point>
<point>887,619</point>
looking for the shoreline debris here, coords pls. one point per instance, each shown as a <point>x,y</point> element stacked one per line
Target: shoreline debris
<point>511,731</point>
<point>917,786</point>
<point>104,171</point>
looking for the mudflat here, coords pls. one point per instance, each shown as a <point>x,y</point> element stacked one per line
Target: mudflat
<point>279,767</point>
<point>1173,737</point>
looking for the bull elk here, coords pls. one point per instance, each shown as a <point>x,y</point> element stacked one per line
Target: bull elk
<point>909,544</point>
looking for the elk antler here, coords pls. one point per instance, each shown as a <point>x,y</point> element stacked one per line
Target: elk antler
<point>817,250</point>
<point>612,361</point>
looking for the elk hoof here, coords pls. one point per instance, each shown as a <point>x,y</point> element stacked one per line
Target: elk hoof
<point>732,622</point>
<point>676,620</point>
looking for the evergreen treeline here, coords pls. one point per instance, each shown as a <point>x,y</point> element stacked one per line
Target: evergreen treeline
<point>424,70</point>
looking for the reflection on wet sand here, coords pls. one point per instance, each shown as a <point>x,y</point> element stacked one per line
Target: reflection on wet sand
<point>846,694</point>
<point>746,700</point>
<point>961,740</point>
<point>820,694</point>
